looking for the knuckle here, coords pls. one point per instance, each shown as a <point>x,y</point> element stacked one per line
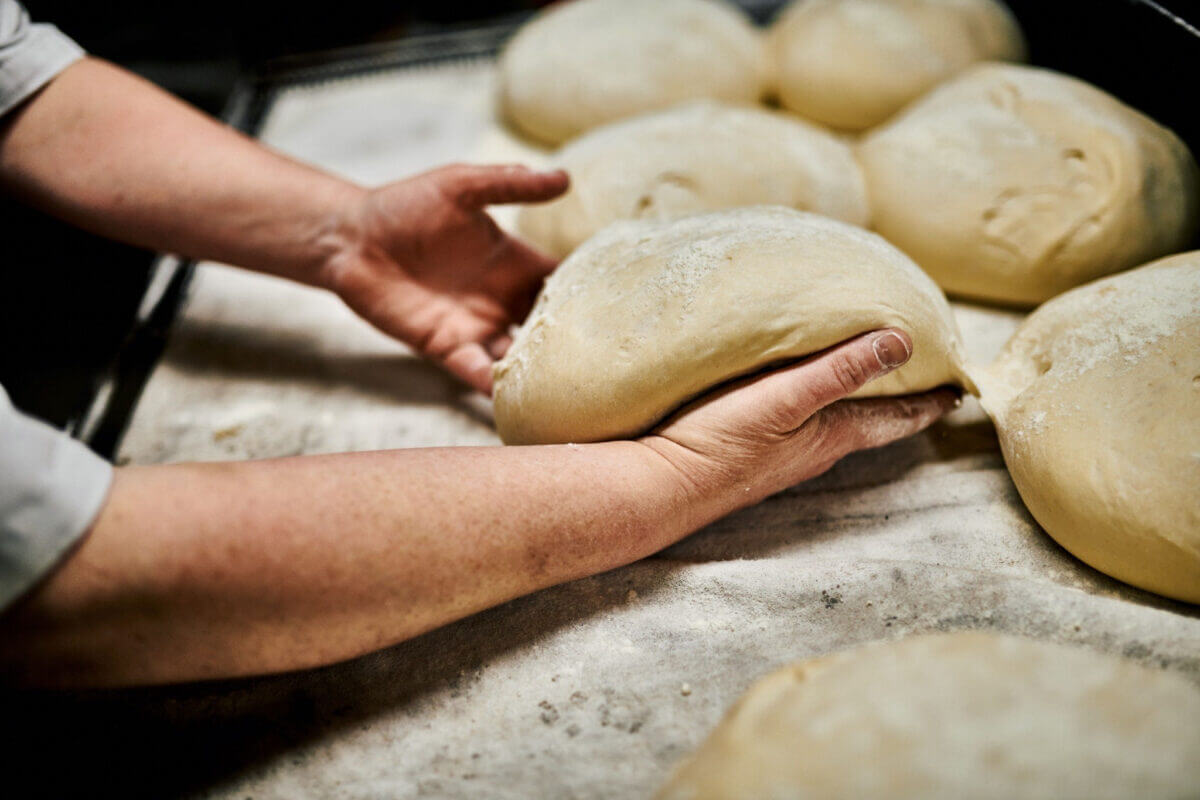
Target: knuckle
<point>778,418</point>
<point>850,373</point>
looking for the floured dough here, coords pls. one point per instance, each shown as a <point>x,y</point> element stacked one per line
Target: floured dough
<point>853,63</point>
<point>1097,402</point>
<point>1014,184</point>
<point>701,156</point>
<point>646,315</point>
<point>966,715</point>
<point>588,62</point>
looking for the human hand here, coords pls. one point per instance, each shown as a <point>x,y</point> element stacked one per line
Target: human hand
<point>764,433</point>
<point>427,265</point>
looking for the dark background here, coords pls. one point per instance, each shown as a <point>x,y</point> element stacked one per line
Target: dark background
<point>68,299</point>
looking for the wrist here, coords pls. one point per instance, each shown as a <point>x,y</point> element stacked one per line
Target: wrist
<point>335,239</point>
<point>703,488</point>
<point>646,506</point>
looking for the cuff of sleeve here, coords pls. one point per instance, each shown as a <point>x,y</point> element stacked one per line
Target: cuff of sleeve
<point>51,489</point>
<point>44,53</point>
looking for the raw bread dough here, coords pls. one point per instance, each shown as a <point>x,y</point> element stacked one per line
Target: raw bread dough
<point>588,62</point>
<point>701,156</point>
<point>1014,184</point>
<point>853,63</point>
<point>646,315</point>
<point>953,716</point>
<point>1097,402</point>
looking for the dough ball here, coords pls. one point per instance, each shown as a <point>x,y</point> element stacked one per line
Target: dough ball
<point>852,64</point>
<point>646,315</point>
<point>1097,402</point>
<point>588,62</point>
<point>965,715</point>
<point>1014,184</point>
<point>697,157</point>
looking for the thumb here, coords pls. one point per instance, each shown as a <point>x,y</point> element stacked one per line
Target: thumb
<point>798,392</point>
<point>844,369</point>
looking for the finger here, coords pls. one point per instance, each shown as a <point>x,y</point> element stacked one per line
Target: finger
<point>474,186</point>
<point>864,424</point>
<point>844,369</point>
<point>498,345</point>
<point>793,394</point>
<point>470,363</point>
<point>447,334</point>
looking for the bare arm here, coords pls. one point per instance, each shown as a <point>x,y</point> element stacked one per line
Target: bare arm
<point>419,258</point>
<point>108,151</point>
<point>206,571</point>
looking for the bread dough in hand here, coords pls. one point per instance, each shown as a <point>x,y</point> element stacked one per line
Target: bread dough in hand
<point>1096,399</point>
<point>646,315</point>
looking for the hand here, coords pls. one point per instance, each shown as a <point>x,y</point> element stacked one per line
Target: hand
<point>428,266</point>
<point>765,433</point>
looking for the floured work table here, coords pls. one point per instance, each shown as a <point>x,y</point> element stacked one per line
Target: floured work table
<point>590,689</point>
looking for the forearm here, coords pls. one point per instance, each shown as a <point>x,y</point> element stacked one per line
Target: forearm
<point>110,152</point>
<point>205,571</point>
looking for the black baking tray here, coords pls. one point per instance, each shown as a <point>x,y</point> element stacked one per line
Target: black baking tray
<point>1146,52</point>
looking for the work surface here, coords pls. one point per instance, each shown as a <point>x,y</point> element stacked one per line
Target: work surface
<point>595,688</point>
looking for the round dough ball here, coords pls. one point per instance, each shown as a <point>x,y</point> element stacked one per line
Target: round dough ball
<point>851,64</point>
<point>1097,402</point>
<point>697,157</point>
<point>588,62</point>
<point>1014,184</point>
<point>951,716</point>
<point>646,315</point>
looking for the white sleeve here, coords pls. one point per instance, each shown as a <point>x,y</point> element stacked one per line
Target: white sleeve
<point>51,489</point>
<point>51,486</point>
<point>30,55</point>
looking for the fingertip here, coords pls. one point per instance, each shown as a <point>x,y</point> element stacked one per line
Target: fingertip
<point>557,177</point>
<point>472,364</point>
<point>499,345</point>
<point>948,399</point>
<point>548,184</point>
<point>952,395</point>
<point>893,347</point>
<point>512,183</point>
